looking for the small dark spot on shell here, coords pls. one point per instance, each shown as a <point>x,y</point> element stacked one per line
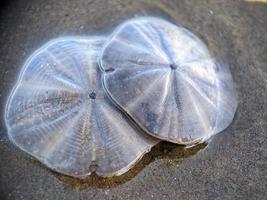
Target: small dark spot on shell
<point>93,166</point>
<point>92,95</point>
<point>173,66</point>
<point>109,70</point>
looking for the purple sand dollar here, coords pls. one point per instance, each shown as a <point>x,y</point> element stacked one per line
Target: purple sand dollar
<point>164,77</point>
<point>59,113</point>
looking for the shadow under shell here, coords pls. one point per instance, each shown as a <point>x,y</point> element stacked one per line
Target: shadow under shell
<point>164,77</point>
<point>59,113</point>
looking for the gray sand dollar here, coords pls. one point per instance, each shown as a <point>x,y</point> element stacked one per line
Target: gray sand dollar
<point>164,77</point>
<point>59,113</point>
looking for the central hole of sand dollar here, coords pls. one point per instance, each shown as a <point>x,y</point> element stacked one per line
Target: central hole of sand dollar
<point>173,66</point>
<point>92,95</point>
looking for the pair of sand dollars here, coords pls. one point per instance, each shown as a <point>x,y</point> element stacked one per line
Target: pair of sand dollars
<point>98,104</point>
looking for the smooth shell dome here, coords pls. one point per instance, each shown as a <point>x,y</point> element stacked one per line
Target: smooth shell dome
<point>59,113</point>
<point>164,77</point>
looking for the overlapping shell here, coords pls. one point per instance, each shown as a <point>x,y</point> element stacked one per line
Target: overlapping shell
<point>59,113</point>
<point>164,77</point>
<point>66,108</point>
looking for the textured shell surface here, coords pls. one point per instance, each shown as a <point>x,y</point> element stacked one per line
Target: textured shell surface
<point>59,113</point>
<point>164,77</point>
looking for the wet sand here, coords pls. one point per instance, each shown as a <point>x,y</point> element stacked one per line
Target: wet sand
<point>232,166</point>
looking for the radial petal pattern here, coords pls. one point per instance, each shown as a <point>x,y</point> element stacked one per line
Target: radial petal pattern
<point>164,77</point>
<point>59,113</point>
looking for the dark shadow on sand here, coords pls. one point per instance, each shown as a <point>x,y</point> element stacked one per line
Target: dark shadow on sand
<point>163,150</point>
